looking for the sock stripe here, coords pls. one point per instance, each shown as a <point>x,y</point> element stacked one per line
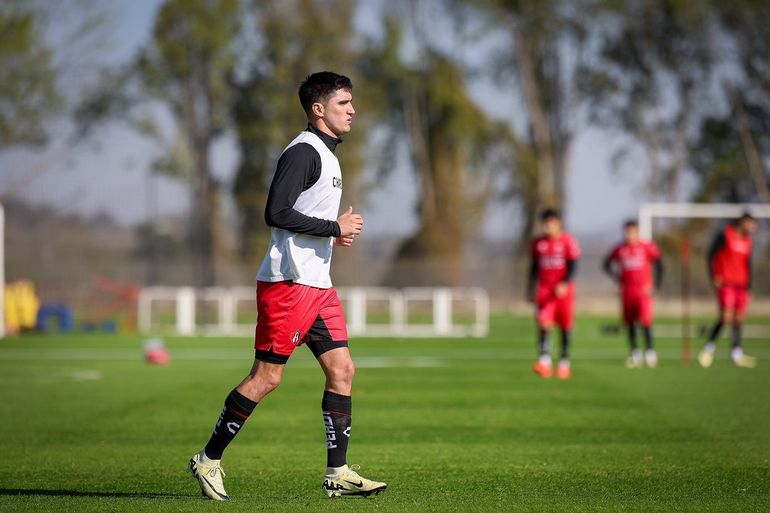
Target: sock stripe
<point>336,413</point>
<point>237,413</point>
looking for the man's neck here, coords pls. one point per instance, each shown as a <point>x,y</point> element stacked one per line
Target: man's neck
<point>319,125</point>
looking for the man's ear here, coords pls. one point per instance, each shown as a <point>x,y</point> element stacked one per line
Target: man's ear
<point>317,109</point>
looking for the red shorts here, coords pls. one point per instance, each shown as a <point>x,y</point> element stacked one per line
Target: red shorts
<point>637,307</point>
<point>290,314</point>
<point>733,298</point>
<point>555,310</point>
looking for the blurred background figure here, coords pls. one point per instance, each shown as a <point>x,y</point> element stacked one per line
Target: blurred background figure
<point>637,268</point>
<point>552,290</point>
<point>729,260</point>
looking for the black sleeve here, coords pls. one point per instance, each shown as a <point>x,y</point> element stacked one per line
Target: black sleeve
<point>719,243</point>
<point>608,268</point>
<point>533,268</point>
<point>299,168</point>
<point>748,283</point>
<point>571,268</point>
<point>657,271</point>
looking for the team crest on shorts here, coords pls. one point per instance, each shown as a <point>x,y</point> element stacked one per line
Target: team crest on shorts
<point>295,338</point>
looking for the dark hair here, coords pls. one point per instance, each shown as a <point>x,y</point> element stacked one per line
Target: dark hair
<point>549,213</point>
<point>746,216</point>
<point>319,86</point>
<point>629,223</point>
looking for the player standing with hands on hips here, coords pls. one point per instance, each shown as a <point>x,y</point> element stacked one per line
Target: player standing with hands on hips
<point>554,261</point>
<point>729,263</point>
<point>632,264</point>
<point>296,303</point>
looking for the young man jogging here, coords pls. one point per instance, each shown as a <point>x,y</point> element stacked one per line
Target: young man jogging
<point>551,287</point>
<point>636,266</point>
<point>296,303</point>
<point>729,264</point>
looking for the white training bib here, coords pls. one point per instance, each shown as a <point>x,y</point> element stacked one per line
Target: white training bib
<point>306,259</point>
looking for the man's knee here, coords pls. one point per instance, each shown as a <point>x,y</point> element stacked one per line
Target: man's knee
<point>343,372</point>
<point>270,382</point>
<point>727,316</point>
<point>263,379</point>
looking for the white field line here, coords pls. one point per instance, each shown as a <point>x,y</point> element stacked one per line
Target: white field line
<point>449,358</point>
<point>55,377</point>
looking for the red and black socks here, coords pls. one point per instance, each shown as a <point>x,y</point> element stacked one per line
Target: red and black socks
<point>237,409</point>
<point>337,410</point>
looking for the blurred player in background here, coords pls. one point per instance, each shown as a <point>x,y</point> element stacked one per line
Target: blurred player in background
<point>554,261</point>
<point>296,302</point>
<point>729,262</point>
<point>635,264</point>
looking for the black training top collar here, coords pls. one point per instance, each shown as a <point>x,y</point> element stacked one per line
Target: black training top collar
<point>329,141</point>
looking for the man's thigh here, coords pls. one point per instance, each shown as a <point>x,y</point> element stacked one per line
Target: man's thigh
<point>285,313</point>
<point>566,311</point>
<point>329,330</point>
<point>546,312</point>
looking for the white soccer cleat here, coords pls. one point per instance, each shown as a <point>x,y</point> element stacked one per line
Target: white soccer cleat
<point>348,482</point>
<point>706,357</point>
<point>741,360</point>
<point>634,361</point>
<point>209,475</point>
<point>651,358</point>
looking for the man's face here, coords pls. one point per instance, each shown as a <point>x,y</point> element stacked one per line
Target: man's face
<point>552,226</point>
<point>337,112</point>
<point>631,232</point>
<point>747,226</point>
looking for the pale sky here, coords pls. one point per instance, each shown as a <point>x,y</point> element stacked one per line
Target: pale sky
<point>113,177</point>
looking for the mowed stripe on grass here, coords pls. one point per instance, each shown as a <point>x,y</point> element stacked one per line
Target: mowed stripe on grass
<point>451,425</point>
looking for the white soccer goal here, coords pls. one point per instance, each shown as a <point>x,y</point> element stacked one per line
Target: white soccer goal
<point>371,311</point>
<point>649,211</point>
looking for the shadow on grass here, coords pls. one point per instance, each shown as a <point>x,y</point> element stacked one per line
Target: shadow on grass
<point>82,493</point>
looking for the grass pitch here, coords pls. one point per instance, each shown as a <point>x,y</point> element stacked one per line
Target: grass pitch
<point>450,425</point>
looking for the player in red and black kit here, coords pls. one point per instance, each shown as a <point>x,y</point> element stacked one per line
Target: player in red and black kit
<point>551,287</point>
<point>632,264</point>
<point>729,262</point>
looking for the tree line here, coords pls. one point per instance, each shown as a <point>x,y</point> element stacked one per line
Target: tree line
<point>685,87</point>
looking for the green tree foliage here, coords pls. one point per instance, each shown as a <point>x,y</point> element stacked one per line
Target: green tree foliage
<point>536,64</point>
<point>652,68</point>
<point>186,67</point>
<point>28,91</point>
<point>284,42</point>
<point>748,93</point>
<point>454,150</point>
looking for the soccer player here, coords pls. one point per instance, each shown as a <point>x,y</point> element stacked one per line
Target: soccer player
<point>296,303</point>
<point>632,264</point>
<point>554,261</point>
<point>729,262</point>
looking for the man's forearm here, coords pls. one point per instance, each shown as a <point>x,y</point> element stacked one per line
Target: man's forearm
<point>294,221</point>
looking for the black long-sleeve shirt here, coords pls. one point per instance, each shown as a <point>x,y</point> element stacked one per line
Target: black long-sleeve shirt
<point>298,169</point>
